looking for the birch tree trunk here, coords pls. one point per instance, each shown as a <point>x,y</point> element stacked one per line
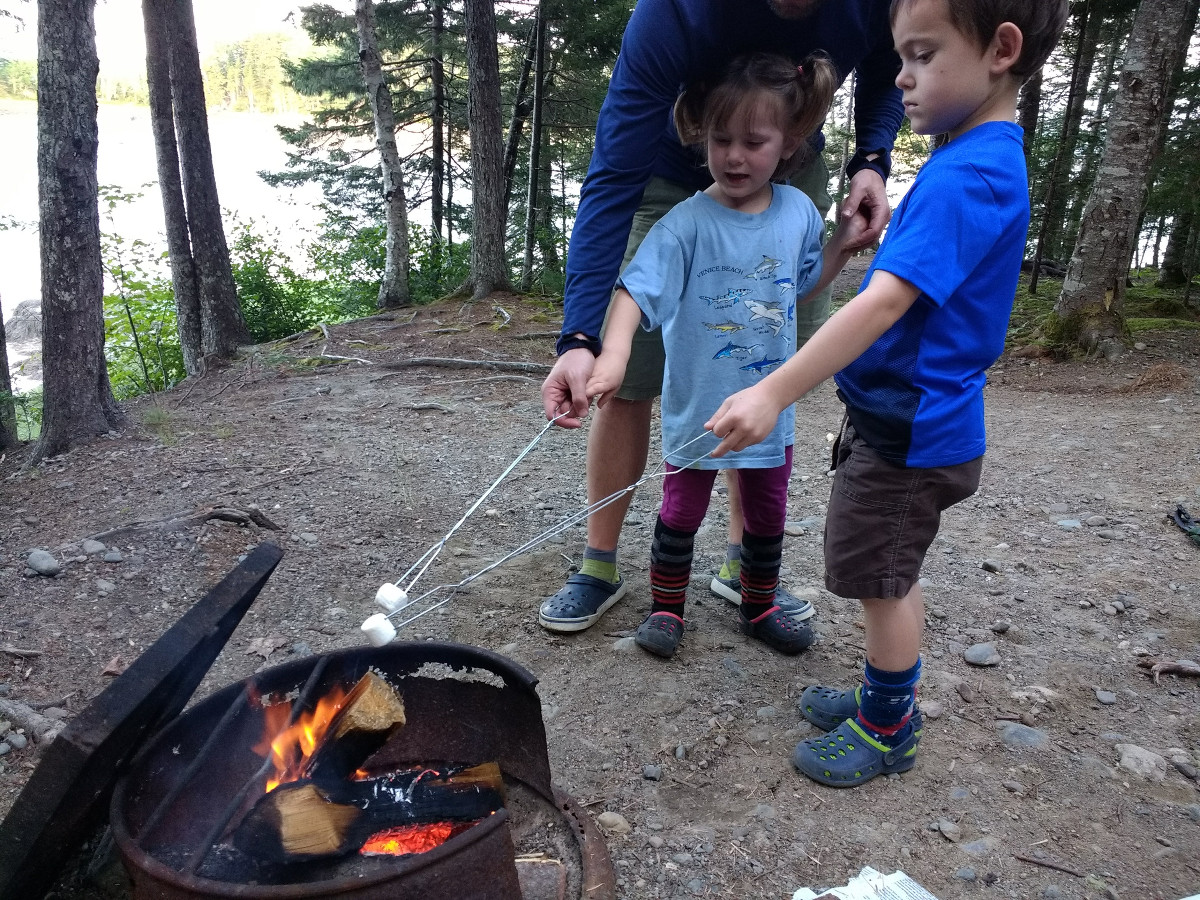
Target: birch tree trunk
<point>1090,308</point>
<point>393,290</point>
<point>222,327</point>
<point>488,266</point>
<point>77,401</point>
<point>179,244</point>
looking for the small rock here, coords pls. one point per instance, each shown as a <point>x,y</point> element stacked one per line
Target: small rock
<point>1001,627</point>
<point>982,655</point>
<point>950,831</point>
<point>5,748</point>
<point>656,841</point>
<point>17,740</point>
<point>933,709</point>
<point>1141,762</point>
<point>113,556</point>
<point>614,822</point>
<point>652,773</point>
<point>990,566</point>
<point>1013,786</point>
<point>104,586</point>
<point>1186,769</point>
<point>1021,737</point>
<point>1095,521</point>
<point>1106,698</point>
<point>1069,524</point>
<point>92,547</point>
<point>965,874</point>
<point>308,537</point>
<point>43,563</point>
<point>682,858</point>
<point>965,691</point>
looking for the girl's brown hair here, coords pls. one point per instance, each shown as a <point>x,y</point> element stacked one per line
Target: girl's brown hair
<point>800,97</point>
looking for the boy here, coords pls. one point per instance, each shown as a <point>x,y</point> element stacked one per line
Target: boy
<point>910,353</point>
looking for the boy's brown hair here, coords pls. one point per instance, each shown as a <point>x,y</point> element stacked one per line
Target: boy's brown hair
<point>1041,23</point>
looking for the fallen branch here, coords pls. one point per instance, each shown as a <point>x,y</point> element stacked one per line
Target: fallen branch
<point>500,365</point>
<point>16,651</point>
<point>1049,864</point>
<point>43,728</point>
<point>180,520</point>
<point>1176,667</point>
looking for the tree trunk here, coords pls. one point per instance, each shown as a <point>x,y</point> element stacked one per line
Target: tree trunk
<point>77,401</point>
<point>8,409</point>
<point>437,77</point>
<point>222,327</point>
<point>1090,307</point>
<point>393,290</point>
<point>488,267</point>
<point>1029,108</point>
<point>179,243</point>
<point>520,108</point>
<point>1056,203</point>
<point>533,195</point>
<point>1174,263</point>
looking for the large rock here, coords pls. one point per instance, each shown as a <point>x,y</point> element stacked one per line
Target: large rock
<point>25,325</point>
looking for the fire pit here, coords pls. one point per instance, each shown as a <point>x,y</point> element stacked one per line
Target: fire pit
<point>180,815</point>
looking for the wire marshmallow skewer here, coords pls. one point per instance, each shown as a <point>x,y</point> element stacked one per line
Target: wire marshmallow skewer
<point>380,630</point>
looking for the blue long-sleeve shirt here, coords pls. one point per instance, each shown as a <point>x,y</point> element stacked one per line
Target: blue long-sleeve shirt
<point>669,43</point>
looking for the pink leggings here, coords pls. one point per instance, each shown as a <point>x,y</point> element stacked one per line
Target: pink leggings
<point>686,493</point>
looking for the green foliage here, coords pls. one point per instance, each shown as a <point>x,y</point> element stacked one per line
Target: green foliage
<point>27,406</point>
<point>18,79</point>
<point>141,341</point>
<point>277,300</point>
<point>249,75</point>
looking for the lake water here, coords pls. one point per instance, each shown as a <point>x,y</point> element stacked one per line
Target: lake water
<point>242,144</point>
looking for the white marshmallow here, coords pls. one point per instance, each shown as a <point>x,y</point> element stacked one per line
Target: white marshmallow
<point>379,630</point>
<point>391,596</point>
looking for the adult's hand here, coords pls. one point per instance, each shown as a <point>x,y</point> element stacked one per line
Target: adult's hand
<point>868,198</point>
<point>564,390</point>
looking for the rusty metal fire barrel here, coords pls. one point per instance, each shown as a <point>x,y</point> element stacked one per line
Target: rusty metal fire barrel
<point>174,810</point>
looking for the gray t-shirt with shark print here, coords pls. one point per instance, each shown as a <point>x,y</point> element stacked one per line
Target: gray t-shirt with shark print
<point>723,285</point>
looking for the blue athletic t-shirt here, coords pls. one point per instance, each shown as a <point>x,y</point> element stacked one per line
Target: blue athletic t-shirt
<point>916,395</point>
<point>723,285</point>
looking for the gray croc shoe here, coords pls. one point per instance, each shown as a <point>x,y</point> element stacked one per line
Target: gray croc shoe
<point>730,589</point>
<point>580,603</point>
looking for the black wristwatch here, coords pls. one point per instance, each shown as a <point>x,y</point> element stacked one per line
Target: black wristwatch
<point>578,339</point>
<point>879,160</point>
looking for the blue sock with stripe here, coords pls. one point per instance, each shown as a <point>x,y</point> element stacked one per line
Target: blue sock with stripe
<point>887,703</point>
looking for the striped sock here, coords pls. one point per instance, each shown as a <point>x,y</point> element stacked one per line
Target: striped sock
<point>761,559</point>
<point>887,703</point>
<point>670,568</point>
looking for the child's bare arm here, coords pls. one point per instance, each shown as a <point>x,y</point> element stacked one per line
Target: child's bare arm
<point>748,416</point>
<point>624,317</point>
<point>842,244</point>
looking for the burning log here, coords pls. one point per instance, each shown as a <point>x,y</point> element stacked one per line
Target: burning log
<point>306,820</point>
<point>371,713</point>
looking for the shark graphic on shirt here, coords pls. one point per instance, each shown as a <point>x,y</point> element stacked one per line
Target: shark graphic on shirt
<point>724,327</point>
<point>764,269</point>
<point>785,285</point>
<point>731,350</point>
<point>771,313</point>
<point>730,297</point>
<point>762,365</point>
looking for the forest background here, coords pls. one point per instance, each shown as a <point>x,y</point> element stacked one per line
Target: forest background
<point>427,193</point>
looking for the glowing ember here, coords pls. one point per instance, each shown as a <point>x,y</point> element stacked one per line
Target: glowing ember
<point>408,839</point>
<point>293,745</point>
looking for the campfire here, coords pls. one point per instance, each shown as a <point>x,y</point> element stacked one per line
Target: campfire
<point>415,770</point>
<point>322,803</point>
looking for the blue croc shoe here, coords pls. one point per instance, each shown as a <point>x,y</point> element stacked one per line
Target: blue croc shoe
<point>848,756</point>
<point>580,603</point>
<point>827,708</point>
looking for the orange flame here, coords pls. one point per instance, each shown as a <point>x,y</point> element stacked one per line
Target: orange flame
<point>292,745</point>
<point>407,839</point>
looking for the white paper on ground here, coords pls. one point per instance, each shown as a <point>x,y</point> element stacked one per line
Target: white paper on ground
<point>871,885</point>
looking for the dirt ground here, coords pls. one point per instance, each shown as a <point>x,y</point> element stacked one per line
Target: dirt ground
<point>1065,562</point>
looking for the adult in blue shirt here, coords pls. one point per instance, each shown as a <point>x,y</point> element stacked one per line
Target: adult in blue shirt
<point>639,170</point>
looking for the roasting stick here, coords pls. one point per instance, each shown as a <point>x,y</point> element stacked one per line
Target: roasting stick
<point>394,598</point>
<point>380,630</point>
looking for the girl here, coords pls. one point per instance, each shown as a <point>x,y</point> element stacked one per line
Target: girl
<point>721,273</point>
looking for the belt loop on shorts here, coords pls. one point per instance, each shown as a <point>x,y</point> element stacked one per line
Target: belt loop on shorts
<point>837,441</point>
